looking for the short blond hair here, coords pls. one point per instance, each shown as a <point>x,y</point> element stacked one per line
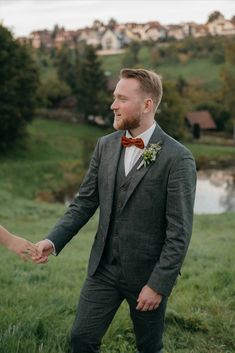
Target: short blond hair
<point>149,81</point>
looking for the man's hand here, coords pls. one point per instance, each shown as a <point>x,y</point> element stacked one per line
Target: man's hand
<point>148,299</point>
<point>45,248</point>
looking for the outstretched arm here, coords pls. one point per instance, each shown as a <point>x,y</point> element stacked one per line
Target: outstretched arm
<point>81,209</point>
<point>20,246</point>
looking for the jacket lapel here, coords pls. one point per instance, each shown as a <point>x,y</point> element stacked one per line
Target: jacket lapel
<point>138,174</point>
<point>113,159</point>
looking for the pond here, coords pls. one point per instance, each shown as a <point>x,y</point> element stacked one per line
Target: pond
<point>215,192</point>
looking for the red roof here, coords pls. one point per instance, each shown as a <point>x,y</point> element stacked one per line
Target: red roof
<point>203,118</point>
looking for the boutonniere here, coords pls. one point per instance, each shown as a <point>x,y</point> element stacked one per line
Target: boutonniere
<point>150,154</point>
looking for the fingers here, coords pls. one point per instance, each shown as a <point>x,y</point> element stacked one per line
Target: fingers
<point>39,259</point>
<point>148,299</point>
<point>34,253</point>
<point>44,249</point>
<point>147,306</point>
<point>32,249</point>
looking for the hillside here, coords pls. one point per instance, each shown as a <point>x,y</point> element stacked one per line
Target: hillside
<point>201,72</point>
<point>38,303</point>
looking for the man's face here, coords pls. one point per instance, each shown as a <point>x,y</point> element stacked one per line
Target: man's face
<point>128,104</point>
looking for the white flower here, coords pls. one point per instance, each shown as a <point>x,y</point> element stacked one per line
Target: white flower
<point>150,154</point>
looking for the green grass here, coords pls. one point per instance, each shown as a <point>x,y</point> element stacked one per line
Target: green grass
<point>196,70</point>
<point>202,72</point>
<point>38,303</point>
<point>112,63</point>
<point>211,151</point>
<point>55,157</point>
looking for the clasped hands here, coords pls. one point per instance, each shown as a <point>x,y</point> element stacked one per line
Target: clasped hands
<point>37,253</point>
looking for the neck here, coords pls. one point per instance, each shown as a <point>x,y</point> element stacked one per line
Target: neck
<point>142,128</point>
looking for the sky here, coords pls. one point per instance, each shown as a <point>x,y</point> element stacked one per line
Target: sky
<point>25,16</point>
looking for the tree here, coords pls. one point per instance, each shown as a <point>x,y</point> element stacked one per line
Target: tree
<point>66,62</point>
<point>228,78</point>
<point>214,16</point>
<point>18,86</point>
<point>52,91</point>
<point>182,85</point>
<point>131,56</point>
<point>170,114</point>
<point>91,85</point>
<point>56,30</point>
<point>112,24</point>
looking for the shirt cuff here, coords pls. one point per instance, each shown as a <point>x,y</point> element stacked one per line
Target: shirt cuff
<point>54,251</point>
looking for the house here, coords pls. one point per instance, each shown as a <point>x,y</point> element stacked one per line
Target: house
<point>200,31</point>
<point>91,36</point>
<point>41,39</point>
<point>221,27</point>
<point>68,37</point>
<point>110,40</point>
<point>201,118</point>
<point>35,40</point>
<point>154,31</point>
<point>175,31</point>
<point>23,40</point>
<point>134,31</point>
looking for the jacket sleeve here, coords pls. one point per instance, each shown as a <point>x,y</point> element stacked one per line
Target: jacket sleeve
<point>179,218</point>
<point>82,207</point>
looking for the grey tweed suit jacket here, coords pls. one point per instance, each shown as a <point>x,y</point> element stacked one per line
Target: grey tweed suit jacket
<point>155,218</point>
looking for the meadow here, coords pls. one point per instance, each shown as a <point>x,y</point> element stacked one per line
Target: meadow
<point>199,71</point>
<point>38,302</point>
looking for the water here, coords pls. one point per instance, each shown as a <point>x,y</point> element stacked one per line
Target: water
<point>215,192</point>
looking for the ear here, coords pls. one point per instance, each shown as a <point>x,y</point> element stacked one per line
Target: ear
<point>148,105</point>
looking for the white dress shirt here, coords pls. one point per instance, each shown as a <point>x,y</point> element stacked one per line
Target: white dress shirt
<point>133,153</point>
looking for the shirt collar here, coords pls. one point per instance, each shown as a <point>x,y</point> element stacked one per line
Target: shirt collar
<point>146,135</point>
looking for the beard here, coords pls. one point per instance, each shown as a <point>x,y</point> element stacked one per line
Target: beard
<point>130,123</point>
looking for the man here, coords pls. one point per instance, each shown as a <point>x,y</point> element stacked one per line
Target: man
<point>144,183</point>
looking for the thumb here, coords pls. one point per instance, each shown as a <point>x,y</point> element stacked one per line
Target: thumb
<point>45,247</point>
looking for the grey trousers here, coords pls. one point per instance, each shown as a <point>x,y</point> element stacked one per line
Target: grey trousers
<point>101,296</point>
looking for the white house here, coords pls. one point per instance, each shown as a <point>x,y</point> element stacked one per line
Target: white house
<point>175,31</point>
<point>154,31</point>
<point>91,36</point>
<point>110,40</point>
<point>221,27</point>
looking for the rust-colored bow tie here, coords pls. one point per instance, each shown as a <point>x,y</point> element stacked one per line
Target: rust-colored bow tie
<point>127,142</point>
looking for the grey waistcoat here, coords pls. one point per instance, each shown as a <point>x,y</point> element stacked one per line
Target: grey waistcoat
<point>122,182</point>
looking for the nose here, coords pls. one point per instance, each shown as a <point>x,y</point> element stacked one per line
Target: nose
<point>114,105</point>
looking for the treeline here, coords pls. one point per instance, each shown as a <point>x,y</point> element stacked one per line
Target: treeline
<point>80,78</point>
<point>220,100</point>
<point>190,48</point>
<point>78,81</point>
<point>181,95</point>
